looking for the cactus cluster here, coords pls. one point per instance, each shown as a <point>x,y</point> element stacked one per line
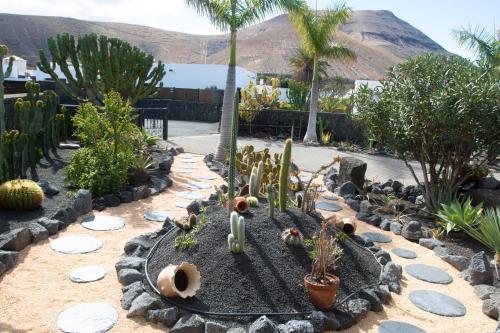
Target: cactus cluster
<point>256,179</point>
<point>284,176</point>
<point>4,50</point>
<point>271,198</point>
<point>247,158</point>
<point>20,194</point>
<point>188,223</point>
<point>236,239</point>
<point>292,236</point>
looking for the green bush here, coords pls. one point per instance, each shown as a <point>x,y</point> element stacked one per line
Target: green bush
<point>457,213</point>
<point>442,112</point>
<point>298,95</point>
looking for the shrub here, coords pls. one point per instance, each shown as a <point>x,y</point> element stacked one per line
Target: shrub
<point>442,112</point>
<point>298,95</point>
<point>456,214</point>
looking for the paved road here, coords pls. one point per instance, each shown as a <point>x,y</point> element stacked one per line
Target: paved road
<point>178,128</point>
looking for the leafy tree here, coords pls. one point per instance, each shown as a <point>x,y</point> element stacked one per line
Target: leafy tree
<point>303,66</point>
<point>232,15</point>
<point>485,45</point>
<point>443,112</point>
<point>317,32</point>
<point>100,65</point>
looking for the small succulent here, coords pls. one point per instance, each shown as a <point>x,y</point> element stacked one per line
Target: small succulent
<point>252,201</point>
<point>187,224</point>
<point>292,236</point>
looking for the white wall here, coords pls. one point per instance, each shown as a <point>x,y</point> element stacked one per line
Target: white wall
<point>18,67</point>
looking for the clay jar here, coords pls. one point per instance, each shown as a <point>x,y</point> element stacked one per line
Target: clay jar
<point>321,295</point>
<point>240,205</point>
<point>179,280</point>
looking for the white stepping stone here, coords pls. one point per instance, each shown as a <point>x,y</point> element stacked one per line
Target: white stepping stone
<point>87,318</point>
<point>103,223</point>
<point>87,274</point>
<point>188,160</point>
<point>208,177</point>
<point>390,326</point>
<point>76,244</point>
<point>158,216</point>
<point>437,303</point>
<point>182,204</point>
<point>184,170</point>
<point>190,195</point>
<point>199,185</point>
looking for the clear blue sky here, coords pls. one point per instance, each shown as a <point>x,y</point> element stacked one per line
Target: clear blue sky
<point>435,18</point>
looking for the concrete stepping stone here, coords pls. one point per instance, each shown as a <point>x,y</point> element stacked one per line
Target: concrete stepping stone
<point>184,170</point>
<point>328,206</point>
<point>404,253</point>
<point>331,197</point>
<point>199,185</point>
<point>377,237</point>
<point>103,223</point>
<point>437,303</point>
<point>87,318</point>
<point>187,160</point>
<point>208,177</point>
<point>182,204</point>
<point>429,273</point>
<point>188,167</point>
<point>190,195</point>
<point>390,326</point>
<point>76,244</point>
<point>87,274</point>
<point>158,216</point>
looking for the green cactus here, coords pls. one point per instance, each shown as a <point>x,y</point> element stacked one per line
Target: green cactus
<point>299,199</point>
<point>292,236</point>
<point>20,194</point>
<point>252,201</point>
<point>256,179</point>
<point>187,224</point>
<point>271,197</point>
<point>247,158</point>
<point>4,50</point>
<point>50,136</point>
<point>285,167</point>
<point>232,152</point>
<point>236,239</point>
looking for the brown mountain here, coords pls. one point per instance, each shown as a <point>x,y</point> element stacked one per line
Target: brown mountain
<point>379,39</point>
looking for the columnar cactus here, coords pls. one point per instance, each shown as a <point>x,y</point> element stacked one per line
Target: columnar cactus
<point>4,50</point>
<point>236,239</point>
<point>285,167</point>
<point>292,236</point>
<point>256,179</point>
<point>232,153</point>
<point>271,197</point>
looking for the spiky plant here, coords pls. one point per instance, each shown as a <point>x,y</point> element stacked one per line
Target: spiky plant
<point>20,194</point>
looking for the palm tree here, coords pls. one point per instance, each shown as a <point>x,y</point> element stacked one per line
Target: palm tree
<point>303,65</point>
<point>317,32</point>
<point>232,15</point>
<point>485,45</point>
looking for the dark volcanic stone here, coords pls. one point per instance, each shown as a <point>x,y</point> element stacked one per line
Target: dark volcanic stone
<point>142,304</point>
<point>66,216</point>
<point>159,184</point>
<point>83,202</point>
<point>490,308</point>
<point>404,253</point>
<point>347,188</point>
<point>479,270</point>
<point>135,289</point>
<point>396,228</point>
<point>430,243</point>
<point>459,262</point>
<point>167,316</point>
<point>489,198</point>
<point>353,203</point>
<point>262,325</point>
<point>8,258</point>
<point>138,245</point>
<point>38,232</point>
<point>125,196</point>
<point>352,169</point>
<point>437,303</point>
<point>296,326</point>
<point>389,326</point>
<point>48,188</point>
<point>140,192</point>
<point>374,220</point>
<point>324,322</point>
<point>15,240</point>
<point>358,308</point>
<point>377,237</point>
<point>330,179</point>
<point>112,200</point>
<point>363,216</point>
<point>391,276</point>
<point>136,263</point>
<point>52,226</point>
<point>383,293</point>
<point>213,327</point>
<point>412,230</point>
<point>382,256</point>
<point>429,273</point>
<point>385,225</point>
<point>127,276</point>
<point>489,183</point>
<point>483,291</point>
<point>166,164</point>
<point>194,207</point>
<point>371,296</point>
<point>366,207</point>
<point>99,204</point>
<point>441,251</point>
<point>189,324</point>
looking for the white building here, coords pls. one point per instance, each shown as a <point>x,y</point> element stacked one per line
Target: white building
<point>19,67</point>
<point>372,84</point>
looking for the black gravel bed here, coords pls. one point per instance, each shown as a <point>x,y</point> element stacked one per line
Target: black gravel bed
<point>268,277</point>
<point>461,244</point>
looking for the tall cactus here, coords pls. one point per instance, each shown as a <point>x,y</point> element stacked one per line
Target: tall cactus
<point>256,179</point>
<point>100,65</point>
<point>271,197</point>
<point>232,152</point>
<point>236,239</point>
<point>284,170</point>
<point>50,136</point>
<point>4,50</point>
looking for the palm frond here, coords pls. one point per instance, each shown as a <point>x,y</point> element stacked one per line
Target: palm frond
<point>483,44</point>
<point>217,11</point>
<point>338,51</point>
<point>251,11</point>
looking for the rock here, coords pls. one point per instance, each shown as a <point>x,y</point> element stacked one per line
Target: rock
<point>136,263</point>
<point>99,204</point>
<point>38,232</point>
<point>138,245</point>
<point>237,330</point>
<point>489,198</point>
<point>8,259</point>
<point>262,325</point>
<point>135,289</point>
<point>483,291</point>
<point>127,276</point>
<point>377,190</point>
<point>323,322</point>
<point>396,185</point>
<point>388,190</point>
<point>371,296</point>
<point>166,164</point>
<point>441,251</point>
<point>396,228</point>
<point>296,326</point>
<point>213,327</point>
<point>66,216</point>
<point>330,179</point>
<point>430,243</point>
<point>52,226</point>
<point>159,184</point>
<point>459,262</point>
<point>125,196</point>
<point>167,316</point>
<point>489,183</point>
<point>153,192</point>
<point>479,270</point>
<point>3,268</point>
<point>385,225</point>
<point>112,200</point>
<point>391,276</point>
<point>366,207</point>
<point>15,240</point>
<point>140,192</point>
<point>412,230</point>
<point>420,200</point>
<point>383,293</point>
<point>352,169</point>
<point>358,308</point>
<point>382,256</point>
<point>374,220</point>
<point>194,207</point>
<point>171,151</point>
<point>82,203</point>
<point>363,216</point>
<point>142,304</point>
<point>490,308</point>
<point>190,323</point>
<point>48,188</point>
<point>179,150</point>
<point>353,203</point>
<point>347,188</point>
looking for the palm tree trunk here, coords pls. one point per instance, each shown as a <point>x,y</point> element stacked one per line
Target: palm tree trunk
<point>311,136</point>
<point>228,103</point>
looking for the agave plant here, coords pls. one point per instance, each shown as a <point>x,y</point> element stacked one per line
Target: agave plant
<point>456,215</point>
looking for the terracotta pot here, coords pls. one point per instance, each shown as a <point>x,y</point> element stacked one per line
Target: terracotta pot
<point>322,295</point>
<point>348,226</point>
<point>240,205</point>
<point>179,280</point>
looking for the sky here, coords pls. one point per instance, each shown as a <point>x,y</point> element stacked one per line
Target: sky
<point>435,18</point>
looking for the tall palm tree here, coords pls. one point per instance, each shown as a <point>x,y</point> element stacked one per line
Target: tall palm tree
<point>317,32</point>
<point>485,45</point>
<point>230,16</point>
<point>303,65</point>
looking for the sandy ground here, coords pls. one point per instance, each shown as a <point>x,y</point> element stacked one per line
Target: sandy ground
<point>38,288</point>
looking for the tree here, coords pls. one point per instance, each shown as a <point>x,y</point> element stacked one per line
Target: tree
<point>100,65</point>
<point>303,64</point>
<point>486,46</point>
<point>232,15</point>
<point>317,32</point>
<point>443,112</point>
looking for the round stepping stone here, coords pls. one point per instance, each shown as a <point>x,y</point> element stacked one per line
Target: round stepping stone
<point>207,177</point>
<point>331,197</point>
<point>437,303</point>
<point>187,160</point>
<point>103,223</point>
<point>404,253</point>
<point>181,204</point>
<point>190,195</point>
<point>184,170</point>
<point>158,216</point>
<point>328,206</point>
<point>428,273</point>
<point>188,167</point>
<point>199,185</point>
<point>87,318</point>
<point>390,326</point>
<point>87,274</point>
<point>377,237</point>
<point>76,244</point>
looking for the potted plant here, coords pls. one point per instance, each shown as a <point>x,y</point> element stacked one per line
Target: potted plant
<point>322,286</point>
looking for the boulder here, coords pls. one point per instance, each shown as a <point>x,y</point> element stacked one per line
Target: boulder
<point>125,196</point>
<point>112,200</point>
<point>38,232</point>
<point>323,322</point>
<point>213,327</point>
<point>430,243</point>
<point>136,263</point>
<point>138,245</point>
<point>194,207</point>
<point>353,203</point>
<point>190,323</point>
<point>459,262</point>
<point>352,169</point>
<point>385,225</point>
<point>296,326</point>
<point>441,251</point>
<point>8,259</point>
<point>159,184</point>
<point>263,325</point>
<point>330,179</point>
<point>127,276</point>
<point>412,230</point>
<point>140,192</point>
<point>15,240</point>
<point>167,316</point>
<point>52,226</point>
<point>366,207</point>
<point>382,256</point>
<point>363,216</point>
<point>66,216</point>
<point>99,204</point>
<point>483,291</point>
<point>48,188</point>
<point>374,220</point>
<point>490,308</point>
<point>135,289</point>
<point>479,270</point>
<point>82,203</point>
<point>347,188</point>
<point>166,164</point>
<point>371,296</point>
<point>396,228</point>
<point>142,304</point>
<point>489,198</point>
<point>489,183</point>
<point>358,308</point>
<point>383,293</point>
<point>391,276</point>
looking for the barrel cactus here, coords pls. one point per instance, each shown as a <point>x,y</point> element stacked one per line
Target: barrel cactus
<point>292,236</point>
<point>188,223</point>
<point>252,201</point>
<point>21,194</point>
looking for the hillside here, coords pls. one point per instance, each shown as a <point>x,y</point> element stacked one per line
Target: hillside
<point>379,39</point>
